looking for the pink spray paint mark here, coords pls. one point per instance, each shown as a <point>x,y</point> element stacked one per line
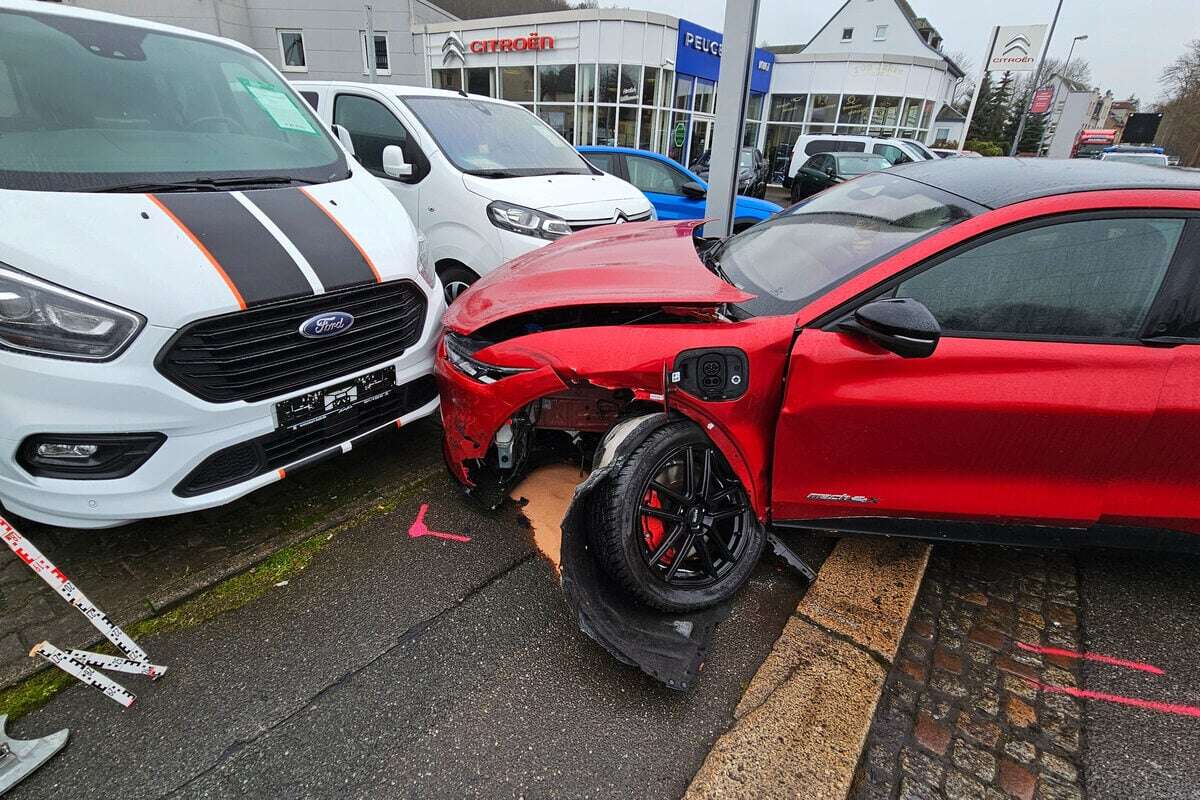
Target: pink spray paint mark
<point>1097,657</point>
<point>1150,705</point>
<point>419,528</point>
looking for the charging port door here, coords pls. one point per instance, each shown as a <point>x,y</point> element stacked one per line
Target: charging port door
<point>712,374</point>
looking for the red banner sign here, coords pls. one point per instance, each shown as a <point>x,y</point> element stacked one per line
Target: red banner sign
<point>1042,99</point>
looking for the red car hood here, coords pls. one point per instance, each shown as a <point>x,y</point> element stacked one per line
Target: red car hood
<point>653,262</point>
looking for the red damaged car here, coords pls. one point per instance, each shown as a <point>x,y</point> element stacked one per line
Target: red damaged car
<point>983,349</point>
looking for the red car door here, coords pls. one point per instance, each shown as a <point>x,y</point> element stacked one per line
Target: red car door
<point>1038,390</point>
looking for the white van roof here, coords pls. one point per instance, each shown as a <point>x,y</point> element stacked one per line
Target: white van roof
<point>55,9</point>
<point>398,89</point>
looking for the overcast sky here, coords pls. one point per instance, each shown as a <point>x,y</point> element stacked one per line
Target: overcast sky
<point>1129,41</point>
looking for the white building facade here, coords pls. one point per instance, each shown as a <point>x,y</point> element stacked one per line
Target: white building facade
<point>646,80</point>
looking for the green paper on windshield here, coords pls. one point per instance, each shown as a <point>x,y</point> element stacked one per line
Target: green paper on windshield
<point>279,106</point>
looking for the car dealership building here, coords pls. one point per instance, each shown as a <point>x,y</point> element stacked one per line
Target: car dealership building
<point>641,79</point>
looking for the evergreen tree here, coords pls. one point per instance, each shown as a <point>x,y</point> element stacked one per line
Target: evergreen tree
<point>993,110</point>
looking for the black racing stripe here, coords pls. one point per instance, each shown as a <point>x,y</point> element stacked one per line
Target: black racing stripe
<point>256,263</point>
<point>332,255</point>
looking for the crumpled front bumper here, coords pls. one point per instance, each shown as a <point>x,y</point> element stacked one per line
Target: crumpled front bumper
<point>472,411</point>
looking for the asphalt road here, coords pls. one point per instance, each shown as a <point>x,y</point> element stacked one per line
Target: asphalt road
<point>1142,607</point>
<point>398,667</point>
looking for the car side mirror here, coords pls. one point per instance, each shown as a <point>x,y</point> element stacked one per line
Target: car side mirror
<point>693,189</point>
<point>394,164</point>
<point>343,136</point>
<point>903,325</point>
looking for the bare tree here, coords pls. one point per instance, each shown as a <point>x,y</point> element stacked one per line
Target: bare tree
<point>966,84</point>
<point>1179,133</point>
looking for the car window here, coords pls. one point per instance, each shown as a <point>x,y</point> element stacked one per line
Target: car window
<point>851,165</point>
<point>649,175</point>
<point>312,98</point>
<point>372,127</point>
<point>601,161</point>
<point>892,153</point>
<point>814,163</point>
<point>1088,278</point>
<point>833,146</point>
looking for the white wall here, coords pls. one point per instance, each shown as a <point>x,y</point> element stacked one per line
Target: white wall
<point>864,16</point>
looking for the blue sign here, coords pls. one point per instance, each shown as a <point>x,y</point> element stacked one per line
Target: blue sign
<point>699,53</point>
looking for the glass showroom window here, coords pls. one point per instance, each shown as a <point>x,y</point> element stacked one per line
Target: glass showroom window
<point>481,80</point>
<point>561,118</point>
<point>448,79</point>
<point>650,86</point>
<point>926,113</point>
<point>627,126</point>
<point>631,78</point>
<point>705,92</point>
<point>647,133</point>
<point>587,84</point>
<point>683,92</point>
<point>607,83</point>
<point>556,83</point>
<point>606,126</point>
<point>516,84</point>
<point>822,113</point>
<point>854,112</point>
<point>583,128</point>
<point>664,88</point>
<point>778,149</point>
<point>382,65</point>
<point>754,111</point>
<point>787,107</point>
<point>675,143</point>
<point>291,51</point>
<point>910,117</point>
<point>885,116</point>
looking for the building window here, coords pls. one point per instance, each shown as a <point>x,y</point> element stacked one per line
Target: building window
<point>650,87</point>
<point>607,83</point>
<point>847,34</point>
<point>584,128</point>
<point>880,32</point>
<point>516,84</point>
<point>587,86</point>
<point>481,80</point>
<point>631,78</point>
<point>646,131</point>
<point>561,118</point>
<point>448,79</point>
<point>787,107</point>
<point>855,108</point>
<point>382,65</point>
<point>291,51</point>
<point>823,111</point>
<point>705,94</point>
<point>627,127</point>
<point>683,92</point>
<point>556,83</point>
<point>942,135</point>
<point>885,116</point>
<point>606,126</point>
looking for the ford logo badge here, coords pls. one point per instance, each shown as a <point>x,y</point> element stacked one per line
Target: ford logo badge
<point>325,325</point>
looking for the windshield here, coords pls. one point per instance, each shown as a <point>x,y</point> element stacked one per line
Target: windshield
<point>495,140</point>
<point>920,148</point>
<point>86,105</point>
<point>1151,159</point>
<point>802,252</point>
<point>859,165</point>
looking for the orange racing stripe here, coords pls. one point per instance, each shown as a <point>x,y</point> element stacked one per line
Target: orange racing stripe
<point>342,228</point>
<point>196,241</point>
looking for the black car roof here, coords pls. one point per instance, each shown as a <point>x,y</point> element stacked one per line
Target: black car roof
<point>996,182</point>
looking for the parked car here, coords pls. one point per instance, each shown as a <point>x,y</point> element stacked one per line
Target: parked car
<point>752,171</point>
<point>949,152</point>
<point>484,180</point>
<point>1126,154</point>
<point>896,151</point>
<point>997,350</point>
<point>828,169</point>
<point>676,192</point>
<point>200,292</point>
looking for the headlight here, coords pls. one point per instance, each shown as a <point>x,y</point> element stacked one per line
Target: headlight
<point>460,351</point>
<point>653,213</point>
<point>37,317</point>
<point>528,221</point>
<point>425,261</point>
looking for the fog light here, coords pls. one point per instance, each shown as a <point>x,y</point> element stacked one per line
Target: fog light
<point>63,450</point>
<point>87,456</point>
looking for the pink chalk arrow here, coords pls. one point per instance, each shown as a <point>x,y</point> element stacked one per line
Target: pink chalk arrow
<point>419,528</point>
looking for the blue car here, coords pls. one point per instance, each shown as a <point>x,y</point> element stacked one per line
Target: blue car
<point>675,191</point>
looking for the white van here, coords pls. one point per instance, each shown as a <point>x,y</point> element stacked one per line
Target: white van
<point>897,151</point>
<point>485,180</point>
<point>200,291</point>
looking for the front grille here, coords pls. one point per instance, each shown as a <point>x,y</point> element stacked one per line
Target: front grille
<point>259,353</point>
<point>587,224</point>
<point>285,446</point>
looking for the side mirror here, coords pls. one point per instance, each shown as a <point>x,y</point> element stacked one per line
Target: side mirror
<point>693,189</point>
<point>394,164</point>
<point>344,137</point>
<point>903,325</point>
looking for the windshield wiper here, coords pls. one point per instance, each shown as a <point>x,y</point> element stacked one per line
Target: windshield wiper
<point>494,173</point>
<point>204,184</point>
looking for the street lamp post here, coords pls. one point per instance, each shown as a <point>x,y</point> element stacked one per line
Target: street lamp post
<point>1058,116</point>
<point>1067,63</point>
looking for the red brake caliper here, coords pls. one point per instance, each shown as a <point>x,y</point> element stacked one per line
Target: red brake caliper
<point>654,528</point>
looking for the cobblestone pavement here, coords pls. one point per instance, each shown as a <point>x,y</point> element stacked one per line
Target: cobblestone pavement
<point>962,714</point>
<point>132,571</point>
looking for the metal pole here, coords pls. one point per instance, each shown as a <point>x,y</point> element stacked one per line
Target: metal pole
<point>371,42</point>
<point>737,65</point>
<point>987,54</point>
<point>1037,76</point>
<point>1056,112</point>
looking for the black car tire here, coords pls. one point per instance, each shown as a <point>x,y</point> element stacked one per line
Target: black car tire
<point>455,281</point>
<point>697,574</point>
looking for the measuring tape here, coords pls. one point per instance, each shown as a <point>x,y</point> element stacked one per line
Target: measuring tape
<point>84,673</point>
<point>59,582</point>
<point>81,663</point>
